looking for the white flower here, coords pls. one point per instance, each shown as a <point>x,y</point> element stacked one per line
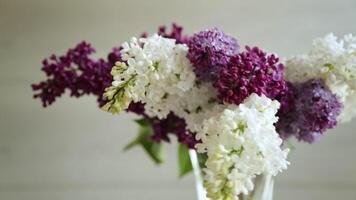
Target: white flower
<point>241,142</point>
<point>159,71</point>
<point>334,61</point>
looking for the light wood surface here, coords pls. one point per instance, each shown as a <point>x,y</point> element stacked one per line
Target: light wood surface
<point>73,150</point>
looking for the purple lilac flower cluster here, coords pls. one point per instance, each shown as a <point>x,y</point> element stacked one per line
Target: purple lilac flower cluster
<point>176,33</point>
<point>82,75</point>
<point>210,51</point>
<point>313,110</point>
<point>77,72</point>
<point>251,71</point>
<point>172,125</point>
<point>236,75</point>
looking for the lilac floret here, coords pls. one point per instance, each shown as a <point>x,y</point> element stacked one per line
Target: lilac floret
<point>315,109</point>
<point>210,51</point>
<point>252,71</point>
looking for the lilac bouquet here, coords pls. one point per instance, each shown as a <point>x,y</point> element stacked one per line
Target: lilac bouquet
<point>234,106</point>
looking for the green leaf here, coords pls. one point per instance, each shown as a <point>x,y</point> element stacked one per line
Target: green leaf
<point>184,163</point>
<point>131,144</point>
<point>144,131</point>
<point>202,157</point>
<point>152,148</point>
<point>143,123</point>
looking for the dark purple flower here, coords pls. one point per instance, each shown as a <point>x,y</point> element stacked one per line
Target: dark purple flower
<point>210,51</point>
<point>176,33</point>
<point>252,71</point>
<point>172,125</point>
<point>286,98</point>
<point>314,109</point>
<point>75,71</point>
<point>137,108</point>
<point>114,56</point>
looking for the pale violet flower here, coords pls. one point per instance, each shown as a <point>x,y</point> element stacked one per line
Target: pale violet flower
<point>334,61</point>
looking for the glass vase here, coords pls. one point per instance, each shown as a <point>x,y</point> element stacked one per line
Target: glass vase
<point>263,189</point>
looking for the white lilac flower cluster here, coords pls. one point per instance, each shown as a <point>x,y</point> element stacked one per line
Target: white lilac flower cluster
<point>240,140</point>
<point>333,61</point>
<point>154,72</point>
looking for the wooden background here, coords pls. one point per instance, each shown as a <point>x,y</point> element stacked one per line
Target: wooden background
<point>73,150</point>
